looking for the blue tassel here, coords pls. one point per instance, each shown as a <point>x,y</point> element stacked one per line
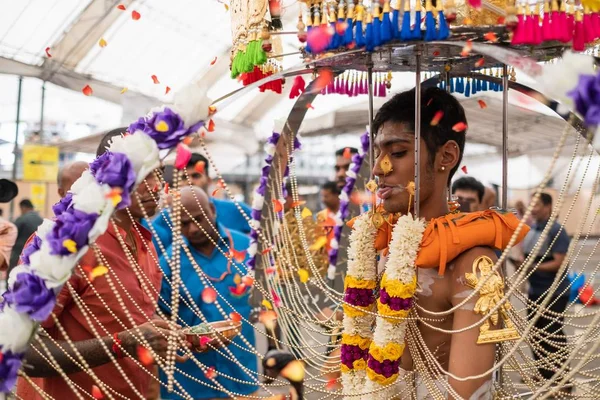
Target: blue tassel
<point>307,48</point>
<point>376,31</point>
<point>443,30</point>
<point>478,85</point>
<point>460,87</point>
<point>396,24</point>
<point>359,35</point>
<point>484,86</point>
<point>386,29</point>
<point>430,32</point>
<point>370,41</point>
<point>474,87</point>
<point>405,33</point>
<point>348,35</point>
<point>334,41</point>
<point>416,32</point>
<point>468,89</point>
<point>452,85</point>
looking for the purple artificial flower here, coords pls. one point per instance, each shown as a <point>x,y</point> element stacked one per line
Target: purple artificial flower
<point>30,295</point>
<point>274,138</point>
<point>10,363</point>
<point>63,204</point>
<point>71,225</point>
<point>115,170</point>
<point>364,142</point>
<point>587,98</point>
<point>166,127</point>
<point>31,248</point>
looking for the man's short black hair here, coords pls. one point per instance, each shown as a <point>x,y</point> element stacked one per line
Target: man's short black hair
<point>469,183</point>
<point>401,108</point>
<point>26,203</point>
<point>106,139</point>
<point>331,186</point>
<point>546,199</point>
<point>198,157</point>
<point>340,152</point>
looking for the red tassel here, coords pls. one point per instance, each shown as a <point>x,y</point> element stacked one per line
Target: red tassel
<point>537,29</point>
<point>298,87</point>
<point>588,28</point>
<point>596,24</point>
<point>579,34</point>
<point>570,22</point>
<point>547,26</point>
<point>562,28</point>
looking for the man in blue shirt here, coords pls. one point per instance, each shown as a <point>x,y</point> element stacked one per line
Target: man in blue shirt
<point>227,213</point>
<point>550,257</point>
<point>209,251</point>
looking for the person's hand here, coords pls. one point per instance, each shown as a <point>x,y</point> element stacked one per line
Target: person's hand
<point>155,333</point>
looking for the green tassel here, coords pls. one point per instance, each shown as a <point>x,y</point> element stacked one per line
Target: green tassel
<point>261,55</point>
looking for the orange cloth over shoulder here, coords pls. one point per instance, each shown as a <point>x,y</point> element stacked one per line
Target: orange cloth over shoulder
<point>446,237</point>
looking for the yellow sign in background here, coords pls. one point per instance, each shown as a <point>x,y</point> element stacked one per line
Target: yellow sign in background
<point>40,163</point>
<point>38,195</point>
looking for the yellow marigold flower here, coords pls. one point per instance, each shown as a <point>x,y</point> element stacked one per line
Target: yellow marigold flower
<point>355,311</point>
<point>357,283</point>
<point>398,289</point>
<point>344,369</point>
<point>359,364</point>
<point>356,340</point>
<point>391,351</point>
<point>382,380</point>
<point>394,317</point>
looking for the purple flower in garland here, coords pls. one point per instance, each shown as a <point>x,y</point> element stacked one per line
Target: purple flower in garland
<point>63,204</point>
<point>587,98</point>
<point>30,295</point>
<point>9,366</point>
<point>166,127</point>
<point>31,248</point>
<point>115,170</point>
<point>72,225</point>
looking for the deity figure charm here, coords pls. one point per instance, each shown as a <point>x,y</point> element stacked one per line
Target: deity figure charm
<point>490,294</point>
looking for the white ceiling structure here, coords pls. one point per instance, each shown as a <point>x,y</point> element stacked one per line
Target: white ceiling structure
<point>177,40</point>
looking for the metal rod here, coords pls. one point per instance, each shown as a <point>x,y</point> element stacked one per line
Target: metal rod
<point>16,147</point>
<point>417,129</point>
<point>447,79</point>
<point>371,133</point>
<point>42,110</point>
<point>504,137</point>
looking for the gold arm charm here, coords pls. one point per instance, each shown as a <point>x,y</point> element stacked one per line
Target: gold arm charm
<point>490,294</point>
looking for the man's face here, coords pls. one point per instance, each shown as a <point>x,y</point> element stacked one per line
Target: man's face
<point>540,212</point>
<point>200,180</point>
<point>341,167</point>
<point>190,221</point>
<point>396,140</point>
<point>330,199</point>
<point>148,192</point>
<point>468,199</point>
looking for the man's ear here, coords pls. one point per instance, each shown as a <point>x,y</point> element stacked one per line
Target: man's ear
<point>448,156</point>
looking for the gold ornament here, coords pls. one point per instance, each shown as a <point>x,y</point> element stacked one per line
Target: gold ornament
<point>371,186</point>
<point>386,164</point>
<point>377,220</point>
<point>490,294</point>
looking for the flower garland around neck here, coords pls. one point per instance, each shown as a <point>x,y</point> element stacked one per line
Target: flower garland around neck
<point>84,214</point>
<point>380,351</point>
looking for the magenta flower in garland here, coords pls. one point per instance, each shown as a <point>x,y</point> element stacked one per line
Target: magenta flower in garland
<point>586,97</point>
<point>70,232</point>
<point>115,170</point>
<point>9,366</point>
<point>30,295</point>
<point>166,127</point>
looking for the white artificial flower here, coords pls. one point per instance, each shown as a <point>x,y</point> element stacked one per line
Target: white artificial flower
<point>561,77</point>
<point>351,174</point>
<point>16,330</point>
<point>45,228</point>
<point>252,249</point>
<point>101,223</point>
<point>141,150</point>
<point>191,103</point>
<point>54,269</point>
<point>333,244</point>
<point>258,201</point>
<point>88,195</point>
<point>270,149</point>
<point>344,197</point>
<point>331,272</point>
<point>12,277</point>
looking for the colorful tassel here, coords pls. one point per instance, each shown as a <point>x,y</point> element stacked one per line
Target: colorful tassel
<point>535,23</point>
<point>474,86</point>
<point>376,25</point>
<point>349,35</point>
<point>479,85</point>
<point>416,31</point>
<point>396,21</point>
<point>308,29</point>
<point>520,29</point>
<point>570,18</point>
<point>588,28</point>
<point>430,31</point>
<point>468,89</point>
<point>405,33</point>
<point>382,89</point>
<point>547,23</point>
<point>369,39</point>
<point>386,25</point>
<point>579,34</point>
<point>298,87</point>
<point>452,85</point>
<point>443,29</point>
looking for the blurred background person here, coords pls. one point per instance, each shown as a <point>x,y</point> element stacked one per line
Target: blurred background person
<point>8,230</point>
<point>470,193</point>
<point>343,159</point>
<point>26,225</point>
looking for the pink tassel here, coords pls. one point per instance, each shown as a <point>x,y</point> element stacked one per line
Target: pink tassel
<point>344,86</point>
<point>588,29</point>
<point>348,86</point>
<point>579,34</point>
<point>537,29</point>
<point>562,28</point>
<point>375,89</point>
<point>518,35</point>
<point>382,89</point>
<point>547,27</point>
<point>570,21</point>
<point>529,34</point>
<point>596,24</point>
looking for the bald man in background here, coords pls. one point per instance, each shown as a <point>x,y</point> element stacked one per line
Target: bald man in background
<point>67,176</point>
